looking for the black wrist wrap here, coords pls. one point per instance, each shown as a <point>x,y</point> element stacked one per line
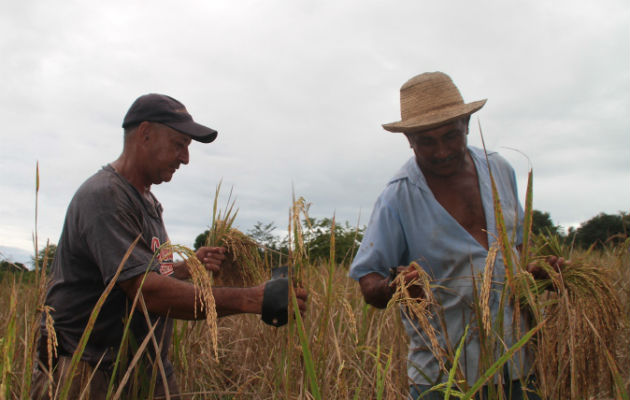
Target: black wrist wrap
<point>276,298</point>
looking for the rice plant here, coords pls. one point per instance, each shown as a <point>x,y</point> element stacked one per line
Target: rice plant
<point>344,349</point>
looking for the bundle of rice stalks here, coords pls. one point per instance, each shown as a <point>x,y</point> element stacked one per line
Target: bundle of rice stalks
<point>419,309</point>
<point>203,282</point>
<point>575,349</point>
<point>243,265</point>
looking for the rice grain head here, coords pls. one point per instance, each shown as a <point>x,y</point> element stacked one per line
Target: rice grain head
<point>485,289</point>
<point>419,309</point>
<point>202,280</point>
<point>244,264</point>
<point>51,346</point>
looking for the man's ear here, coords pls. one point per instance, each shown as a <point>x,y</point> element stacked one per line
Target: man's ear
<point>466,123</point>
<point>408,140</point>
<point>144,131</point>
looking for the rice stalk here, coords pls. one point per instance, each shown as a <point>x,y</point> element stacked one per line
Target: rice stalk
<point>134,361</point>
<point>243,265</point>
<point>451,375</point>
<point>8,348</point>
<point>498,364</point>
<point>585,317</point>
<point>485,290</point>
<point>304,343</point>
<point>218,230</point>
<point>76,356</point>
<point>419,309</point>
<point>51,345</point>
<point>35,239</point>
<point>202,280</point>
<point>503,239</point>
<point>298,254</point>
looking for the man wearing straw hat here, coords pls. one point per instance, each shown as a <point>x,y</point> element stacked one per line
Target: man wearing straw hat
<point>437,211</point>
<point>114,219</point>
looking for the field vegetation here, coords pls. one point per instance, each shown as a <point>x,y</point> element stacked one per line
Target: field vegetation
<point>578,332</point>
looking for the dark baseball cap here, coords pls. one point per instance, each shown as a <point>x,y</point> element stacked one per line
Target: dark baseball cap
<point>166,110</point>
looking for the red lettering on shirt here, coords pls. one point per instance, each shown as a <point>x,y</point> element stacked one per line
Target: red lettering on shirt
<point>165,256</point>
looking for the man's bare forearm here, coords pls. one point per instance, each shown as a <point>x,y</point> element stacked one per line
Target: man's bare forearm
<point>167,296</point>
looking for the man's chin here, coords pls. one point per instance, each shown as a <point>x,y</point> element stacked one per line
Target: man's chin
<point>162,179</point>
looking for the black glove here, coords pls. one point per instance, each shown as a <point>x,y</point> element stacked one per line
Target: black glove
<point>276,298</point>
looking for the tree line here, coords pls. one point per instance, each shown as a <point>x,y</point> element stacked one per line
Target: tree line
<point>597,232</point>
<point>600,231</point>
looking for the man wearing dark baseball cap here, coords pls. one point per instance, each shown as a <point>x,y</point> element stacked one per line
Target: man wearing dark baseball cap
<point>114,218</point>
<point>170,112</point>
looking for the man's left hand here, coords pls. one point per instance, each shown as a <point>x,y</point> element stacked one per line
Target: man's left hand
<point>557,263</point>
<point>211,257</point>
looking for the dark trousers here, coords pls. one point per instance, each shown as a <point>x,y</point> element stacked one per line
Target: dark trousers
<point>92,383</point>
<point>512,391</point>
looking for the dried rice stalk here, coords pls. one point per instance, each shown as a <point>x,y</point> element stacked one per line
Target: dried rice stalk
<point>485,289</point>
<point>585,318</point>
<point>352,322</point>
<point>202,280</point>
<point>419,309</point>
<point>51,346</point>
<point>243,265</point>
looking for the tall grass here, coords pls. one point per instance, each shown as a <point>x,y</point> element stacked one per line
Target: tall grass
<point>343,349</point>
<point>362,355</point>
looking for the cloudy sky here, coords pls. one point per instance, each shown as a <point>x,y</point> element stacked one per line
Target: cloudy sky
<point>298,91</point>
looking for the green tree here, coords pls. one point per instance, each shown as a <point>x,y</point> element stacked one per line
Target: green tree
<point>45,256</point>
<point>601,229</point>
<point>318,237</point>
<point>9,266</point>
<point>200,240</point>
<point>263,234</point>
<point>542,223</point>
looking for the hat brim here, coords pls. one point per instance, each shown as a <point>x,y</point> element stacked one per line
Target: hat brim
<point>196,131</point>
<point>435,118</point>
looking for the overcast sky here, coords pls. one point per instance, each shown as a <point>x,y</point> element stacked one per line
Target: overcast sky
<point>298,91</point>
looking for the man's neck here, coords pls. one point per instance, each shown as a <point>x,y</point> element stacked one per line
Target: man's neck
<point>127,170</point>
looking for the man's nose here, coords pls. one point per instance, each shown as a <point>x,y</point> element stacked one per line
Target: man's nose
<point>184,157</point>
<point>441,149</point>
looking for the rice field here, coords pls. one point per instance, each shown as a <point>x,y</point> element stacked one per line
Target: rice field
<point>343,349</point>
<point>350,350</point>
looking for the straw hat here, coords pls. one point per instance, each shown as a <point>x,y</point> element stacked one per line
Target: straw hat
<point>429,100</point>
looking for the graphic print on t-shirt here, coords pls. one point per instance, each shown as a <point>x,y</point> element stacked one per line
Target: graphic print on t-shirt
<point>165,256</point>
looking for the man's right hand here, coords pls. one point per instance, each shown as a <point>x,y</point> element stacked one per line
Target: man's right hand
<point>410,274</point>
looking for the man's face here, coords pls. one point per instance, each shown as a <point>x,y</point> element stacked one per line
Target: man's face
<point>167,149</point>
<point>441,151</point>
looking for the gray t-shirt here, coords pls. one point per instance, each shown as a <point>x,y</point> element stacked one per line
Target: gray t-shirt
<point>104,217</point>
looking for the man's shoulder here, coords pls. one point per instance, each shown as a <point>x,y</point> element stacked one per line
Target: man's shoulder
<point>104,188</point>
<point>405,173</point>
<point>399,185</point>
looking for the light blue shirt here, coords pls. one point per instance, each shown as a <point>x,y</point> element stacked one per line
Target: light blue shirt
<point>409,224</point>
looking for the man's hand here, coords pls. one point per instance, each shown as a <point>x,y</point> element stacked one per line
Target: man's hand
<point>410,274</point>
<point>211,257</point>
<point>302,296</point>
<point>556,263</point>
<point>378,290</point>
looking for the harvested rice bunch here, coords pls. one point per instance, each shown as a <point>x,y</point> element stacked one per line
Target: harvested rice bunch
<point>203,283</point>
<point>584,318</point>
<point>244,264</point>
<point>419,309</point>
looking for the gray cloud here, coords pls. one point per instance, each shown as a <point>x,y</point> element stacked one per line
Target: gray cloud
<point>298,91</point>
